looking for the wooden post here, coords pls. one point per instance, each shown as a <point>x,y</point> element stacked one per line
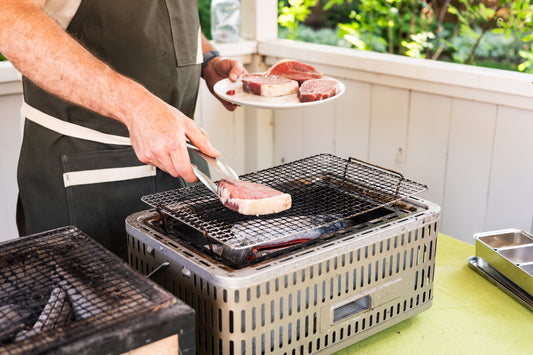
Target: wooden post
<point>259,23</point>
<point>259,19</point>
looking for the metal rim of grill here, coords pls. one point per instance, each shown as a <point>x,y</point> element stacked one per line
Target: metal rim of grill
<point>62,269</point>
<point>325,189</point>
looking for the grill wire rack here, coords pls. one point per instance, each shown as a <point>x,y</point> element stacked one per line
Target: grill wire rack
<point>60,286</point>
<point>325,189</point>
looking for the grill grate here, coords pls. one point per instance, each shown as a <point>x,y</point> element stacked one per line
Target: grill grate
<point>325,190</point>
<point>58,287</point>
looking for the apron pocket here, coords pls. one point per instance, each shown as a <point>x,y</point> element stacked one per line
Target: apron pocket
<point>102,188</point>
<point>185,27</point>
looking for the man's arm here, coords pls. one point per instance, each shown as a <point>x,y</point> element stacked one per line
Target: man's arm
<point>42,51</point>
<point>220,68</point>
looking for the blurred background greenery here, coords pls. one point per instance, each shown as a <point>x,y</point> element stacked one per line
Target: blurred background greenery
<point>491,33</point>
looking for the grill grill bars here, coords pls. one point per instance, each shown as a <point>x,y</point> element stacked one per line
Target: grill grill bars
<point>58,287</point>
<point>325,189</point>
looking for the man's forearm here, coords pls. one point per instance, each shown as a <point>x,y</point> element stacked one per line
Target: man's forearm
<point>42,51</point>
<point>206,45</point>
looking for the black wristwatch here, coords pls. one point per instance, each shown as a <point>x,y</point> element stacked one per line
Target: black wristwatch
<point>209,56</point>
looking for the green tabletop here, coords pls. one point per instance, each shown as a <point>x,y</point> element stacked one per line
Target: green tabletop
<point>469,315</point>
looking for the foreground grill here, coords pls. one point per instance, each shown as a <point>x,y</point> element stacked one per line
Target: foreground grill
<point>319,296</point>
<point>60,292</point>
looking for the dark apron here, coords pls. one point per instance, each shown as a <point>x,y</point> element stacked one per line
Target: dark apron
<point>154,42</point>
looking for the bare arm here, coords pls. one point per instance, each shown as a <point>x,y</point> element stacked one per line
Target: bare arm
<point>41,50</point>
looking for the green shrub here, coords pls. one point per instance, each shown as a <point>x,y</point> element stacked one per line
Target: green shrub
<point>322,36</point>
<point>204,10</point>
<point>469,32</point>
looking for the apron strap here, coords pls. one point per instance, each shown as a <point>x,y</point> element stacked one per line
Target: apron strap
<point>87,177</point>
<point>70,129</point>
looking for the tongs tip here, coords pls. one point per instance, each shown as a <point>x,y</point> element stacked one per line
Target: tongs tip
<point>215,162</point>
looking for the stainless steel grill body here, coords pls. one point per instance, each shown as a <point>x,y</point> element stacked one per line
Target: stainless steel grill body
<point>316,299</point>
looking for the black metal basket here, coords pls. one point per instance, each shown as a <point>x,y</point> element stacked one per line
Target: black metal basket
<point>325,190</point>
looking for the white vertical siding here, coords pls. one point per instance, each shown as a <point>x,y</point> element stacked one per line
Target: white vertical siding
<point>288,135</point>
<point>427,137</point>
<point>10,139</point>
<point>352,124</point>
<point>225,128</point>
<point>510,193</point>
<point>388,127</point>
<point>468,167</point>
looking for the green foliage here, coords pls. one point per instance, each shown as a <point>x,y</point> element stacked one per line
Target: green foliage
<point>387,25</point>
<point>470,32</point>
<point>2,57</point>
<point>506,17</point>
<point>326,36</point>
<point>204,10</point>
<point>296,11</point>
<point>495,46</point>
<point>419,44</point>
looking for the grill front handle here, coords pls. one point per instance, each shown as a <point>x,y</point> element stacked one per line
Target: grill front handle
<point>351,308</point>
<point>160,268</point>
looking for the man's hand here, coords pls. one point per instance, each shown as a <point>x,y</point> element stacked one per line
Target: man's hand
<point>221,68</point>
<point>158,135</point>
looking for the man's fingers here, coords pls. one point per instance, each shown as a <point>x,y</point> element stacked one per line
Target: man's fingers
<point>237,70</point>
<point>200,139</point>
<point>182,163</point>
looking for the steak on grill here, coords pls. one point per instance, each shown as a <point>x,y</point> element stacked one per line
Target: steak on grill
<point>295,70</point>
<point>268,85</point>
<point>317,89</point>
<point>250,198</point>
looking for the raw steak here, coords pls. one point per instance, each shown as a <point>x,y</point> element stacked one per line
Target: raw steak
<point>250,198</point>
<point>317,89</point>
<point>268,85</point>
<point>295,70</point>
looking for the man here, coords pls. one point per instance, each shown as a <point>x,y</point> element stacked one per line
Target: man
<point>100,75</point>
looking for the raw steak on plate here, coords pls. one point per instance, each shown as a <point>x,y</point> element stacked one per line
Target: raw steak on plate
<point>295,70</point>
<point>317,89</point>
<point>268,85</point>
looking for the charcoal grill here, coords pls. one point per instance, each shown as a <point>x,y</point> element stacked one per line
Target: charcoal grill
<point>62,293</point>
<point>319,295</point>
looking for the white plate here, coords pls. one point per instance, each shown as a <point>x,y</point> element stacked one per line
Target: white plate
<point>279,102</point>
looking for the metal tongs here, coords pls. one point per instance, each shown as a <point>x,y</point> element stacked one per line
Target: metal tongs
<point>214,162</point>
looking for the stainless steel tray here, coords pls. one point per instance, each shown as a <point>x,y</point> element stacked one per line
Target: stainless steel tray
<point>501,281</point>
<point>506,258</point>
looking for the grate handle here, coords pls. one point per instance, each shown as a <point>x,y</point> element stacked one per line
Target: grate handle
<point>359,161</point>
<point>400,176</point>
<point>161,267</point>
